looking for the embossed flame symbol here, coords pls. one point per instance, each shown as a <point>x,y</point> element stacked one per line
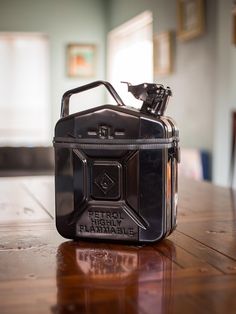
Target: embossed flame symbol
<point>104,182</point>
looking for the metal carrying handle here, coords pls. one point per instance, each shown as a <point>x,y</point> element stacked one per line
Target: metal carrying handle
<point>69,93</point>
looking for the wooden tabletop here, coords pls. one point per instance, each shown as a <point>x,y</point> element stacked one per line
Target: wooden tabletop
<point>193,271</point>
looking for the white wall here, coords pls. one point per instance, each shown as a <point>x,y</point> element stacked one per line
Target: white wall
<point>225,93</point>
<point>193,78</point>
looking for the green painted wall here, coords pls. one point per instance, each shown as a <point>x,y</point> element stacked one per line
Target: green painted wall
<point>164,12</point>
<point>64,21</point>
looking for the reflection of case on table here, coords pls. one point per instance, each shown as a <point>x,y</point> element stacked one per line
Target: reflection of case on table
<point>92,278</point>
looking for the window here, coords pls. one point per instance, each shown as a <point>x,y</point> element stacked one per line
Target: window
<point>130,55</point>
<point>24,89</point>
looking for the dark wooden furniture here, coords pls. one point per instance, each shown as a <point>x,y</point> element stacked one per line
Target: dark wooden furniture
<point>26,161</point>
<point>193,271</point>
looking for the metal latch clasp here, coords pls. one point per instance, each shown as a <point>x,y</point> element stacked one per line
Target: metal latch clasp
<point>154,96</point>
<point>174,151</point>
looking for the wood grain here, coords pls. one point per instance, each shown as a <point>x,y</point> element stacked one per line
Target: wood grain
<point>193,271</point>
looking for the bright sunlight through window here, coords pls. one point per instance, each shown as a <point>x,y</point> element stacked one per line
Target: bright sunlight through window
<point>130,55</point>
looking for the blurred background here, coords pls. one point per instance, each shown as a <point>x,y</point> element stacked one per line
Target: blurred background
<point>48,47</point>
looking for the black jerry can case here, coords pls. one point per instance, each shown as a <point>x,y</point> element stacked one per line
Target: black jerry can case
<point>116,168</point>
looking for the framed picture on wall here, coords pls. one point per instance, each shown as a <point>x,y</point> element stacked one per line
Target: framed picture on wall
<point>234,23</point>
<point>81,60</point>
<point>163,54</point>
<point>190,19</point>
